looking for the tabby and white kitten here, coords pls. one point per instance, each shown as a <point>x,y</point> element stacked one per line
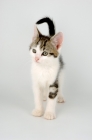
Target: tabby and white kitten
<point>46,69</point>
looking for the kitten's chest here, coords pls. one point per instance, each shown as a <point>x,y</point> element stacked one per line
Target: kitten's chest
<point>44,75</point>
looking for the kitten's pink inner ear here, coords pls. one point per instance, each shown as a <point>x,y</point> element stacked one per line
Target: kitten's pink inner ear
<point>36,33</point>
<point>57,40</point>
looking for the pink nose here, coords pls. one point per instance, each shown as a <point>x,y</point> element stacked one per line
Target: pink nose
<point>37,59</point>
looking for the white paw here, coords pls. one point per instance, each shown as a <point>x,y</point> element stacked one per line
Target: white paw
<point>49,115</point>
<point>60,100</point>
<point>37,113</point>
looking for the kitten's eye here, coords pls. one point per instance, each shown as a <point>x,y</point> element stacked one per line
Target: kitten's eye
<point>45,53</point>
<point>34,51</point>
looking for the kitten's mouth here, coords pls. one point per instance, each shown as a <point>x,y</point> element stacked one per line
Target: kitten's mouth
<point>36,61</point>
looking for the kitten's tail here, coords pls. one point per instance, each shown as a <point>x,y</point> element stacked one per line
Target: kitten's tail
<point>50,25</point>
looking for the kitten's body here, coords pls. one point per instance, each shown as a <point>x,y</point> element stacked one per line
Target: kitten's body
<point>46,71</point>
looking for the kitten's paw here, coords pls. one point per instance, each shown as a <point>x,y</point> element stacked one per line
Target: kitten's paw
<point>60,100</point>
<point>37,113</point>
<point>49,115</point>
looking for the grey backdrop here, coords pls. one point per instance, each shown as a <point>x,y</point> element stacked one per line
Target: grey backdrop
<point>74,118</point>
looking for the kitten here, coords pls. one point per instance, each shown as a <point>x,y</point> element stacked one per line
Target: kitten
<point>47,65</point>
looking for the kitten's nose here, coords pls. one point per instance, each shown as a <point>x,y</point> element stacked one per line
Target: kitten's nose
<point>37,59</point>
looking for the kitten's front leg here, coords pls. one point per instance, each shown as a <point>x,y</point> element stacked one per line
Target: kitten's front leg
<point>52,99</point>
<point>38,111</point>
<point>45,92</point>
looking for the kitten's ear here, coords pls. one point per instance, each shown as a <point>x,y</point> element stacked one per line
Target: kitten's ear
<point>57,40</point>
<point>36,33</point>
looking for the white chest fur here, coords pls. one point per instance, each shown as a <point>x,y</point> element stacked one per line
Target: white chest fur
<point>44,75</point>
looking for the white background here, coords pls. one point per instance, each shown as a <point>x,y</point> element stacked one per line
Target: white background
<point>74,118</point>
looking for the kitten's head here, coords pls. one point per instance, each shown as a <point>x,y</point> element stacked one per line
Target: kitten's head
<point>44,49</point>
